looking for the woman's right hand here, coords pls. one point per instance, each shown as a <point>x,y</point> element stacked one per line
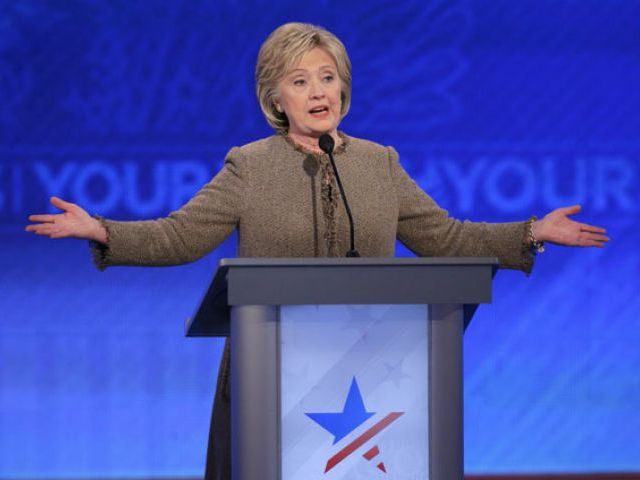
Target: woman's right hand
<point>73,222</point>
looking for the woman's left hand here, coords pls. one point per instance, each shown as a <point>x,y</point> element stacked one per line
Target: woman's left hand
<point>556,227</point>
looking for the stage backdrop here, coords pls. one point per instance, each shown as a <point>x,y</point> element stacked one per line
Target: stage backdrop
<point>499,109</point>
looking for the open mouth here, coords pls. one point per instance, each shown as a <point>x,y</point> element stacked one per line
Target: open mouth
<point>318,110</point>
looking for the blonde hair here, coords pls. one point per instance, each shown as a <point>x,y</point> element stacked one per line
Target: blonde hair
<point>282,51</point>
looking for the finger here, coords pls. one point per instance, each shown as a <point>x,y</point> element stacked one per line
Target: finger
<point>591,228</point>
<point>61,204</point>
<point>592,243</point>
<point>40,229</point>
<point>572,210</point>
<point>42,218</point>
<point>592,240</point>
<point>596,237</point>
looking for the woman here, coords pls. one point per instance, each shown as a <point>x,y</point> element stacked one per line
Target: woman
<point>280,193</point>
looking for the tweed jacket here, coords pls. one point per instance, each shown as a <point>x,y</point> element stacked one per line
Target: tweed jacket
<point>277,196</point>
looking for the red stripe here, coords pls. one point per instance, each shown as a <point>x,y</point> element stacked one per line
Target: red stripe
<point>372,453</point>
<point>361,440</point>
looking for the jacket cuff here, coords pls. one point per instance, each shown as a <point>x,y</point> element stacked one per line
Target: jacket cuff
<point>100,252</point>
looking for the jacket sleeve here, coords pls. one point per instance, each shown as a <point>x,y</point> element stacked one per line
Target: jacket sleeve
<point>186,234</point>
<point>428,230</point>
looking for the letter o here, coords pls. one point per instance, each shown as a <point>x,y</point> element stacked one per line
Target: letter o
<point>105,172</point>
<point>505,201</point>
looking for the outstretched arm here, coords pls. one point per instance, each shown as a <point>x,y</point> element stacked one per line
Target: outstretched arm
<point>182,237</point>
<point>429,231</point>
<point>73,222</point>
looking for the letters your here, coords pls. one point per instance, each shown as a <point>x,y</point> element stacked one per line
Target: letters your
<point>497,184</point>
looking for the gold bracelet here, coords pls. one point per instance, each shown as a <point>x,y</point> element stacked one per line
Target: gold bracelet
<point>536,246</point>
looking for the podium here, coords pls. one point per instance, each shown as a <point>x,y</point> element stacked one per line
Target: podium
<point>345,368</point>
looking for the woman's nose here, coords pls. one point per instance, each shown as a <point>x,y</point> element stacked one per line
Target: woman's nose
<point>316,89</point>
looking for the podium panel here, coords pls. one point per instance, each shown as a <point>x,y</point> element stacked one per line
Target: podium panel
<point>354,391</point>
<point>345,368</point>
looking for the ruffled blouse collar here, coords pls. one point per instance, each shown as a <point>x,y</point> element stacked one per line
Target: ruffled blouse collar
<point>339,150</point>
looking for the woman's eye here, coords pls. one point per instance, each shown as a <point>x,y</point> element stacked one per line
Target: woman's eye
<point>299,82</point>
<point>328,78</point>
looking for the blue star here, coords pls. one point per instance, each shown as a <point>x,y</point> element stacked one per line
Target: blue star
<point>353,415</point>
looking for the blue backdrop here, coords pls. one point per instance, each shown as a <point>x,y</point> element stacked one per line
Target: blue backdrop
<point>499,109</point>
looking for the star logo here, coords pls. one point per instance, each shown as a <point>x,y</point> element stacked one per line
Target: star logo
<point>341,424</point>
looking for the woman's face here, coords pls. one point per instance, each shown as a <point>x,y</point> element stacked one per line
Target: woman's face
<point>310,95</point>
